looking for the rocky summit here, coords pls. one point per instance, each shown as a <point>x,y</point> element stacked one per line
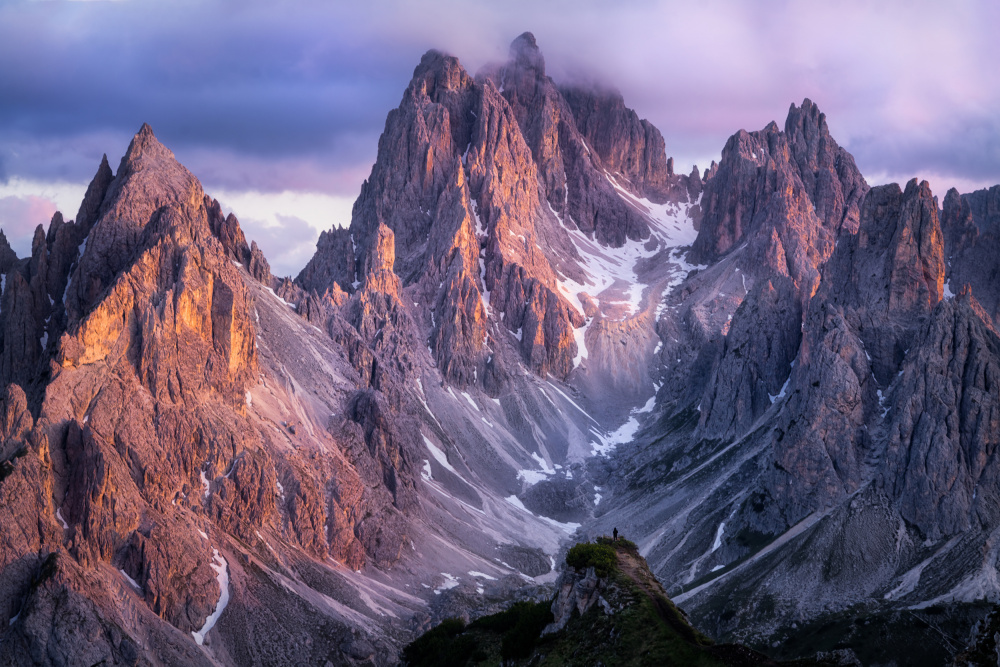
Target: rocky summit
<point>781,383</point>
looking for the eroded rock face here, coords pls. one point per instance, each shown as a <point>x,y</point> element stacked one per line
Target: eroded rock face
<point>450,208</point>
<point>577,593</point>
<point>626,144</point>
<point>971,225</point>
<point>479,180</point>
<point>575,187</point>
<point>941,463</point>
<point>760,346</point>
<point>143,435</point>
<point>798,182</point>
<point>878,289</point>
<point>778,201</point>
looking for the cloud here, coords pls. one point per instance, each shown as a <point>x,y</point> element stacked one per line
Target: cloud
<point>288,246</point>
<point>271,97</point>
<point>19,216</point>
<point>287,224</point>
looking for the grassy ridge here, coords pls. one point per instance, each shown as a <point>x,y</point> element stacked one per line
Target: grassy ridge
<point>643,628</point>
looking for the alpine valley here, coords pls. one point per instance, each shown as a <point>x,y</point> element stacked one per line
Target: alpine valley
<point>782,384</point>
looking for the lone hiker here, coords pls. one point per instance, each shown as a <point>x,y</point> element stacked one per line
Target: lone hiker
<point>615,533</point>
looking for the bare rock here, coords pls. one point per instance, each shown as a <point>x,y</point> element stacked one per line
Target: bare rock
<point>971,225</point>
<point>945,412</point>
<point>577,593</point>
<point>878,289</point>
<point>333,263</point>
<point>798,181</point>
<point>760,346</point>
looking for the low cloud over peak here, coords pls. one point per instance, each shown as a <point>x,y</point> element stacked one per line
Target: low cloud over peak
<point>272,97</point>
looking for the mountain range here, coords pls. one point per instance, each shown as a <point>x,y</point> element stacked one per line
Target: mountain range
<point>781,383</point>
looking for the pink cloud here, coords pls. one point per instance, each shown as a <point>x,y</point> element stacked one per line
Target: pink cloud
<point>19,216</point>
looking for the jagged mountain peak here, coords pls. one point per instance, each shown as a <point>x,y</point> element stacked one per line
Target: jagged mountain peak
<point>524,53</point>
<point>145,151</point>
<point>806,113</point>
<point>438,69</point>
<point>800,174</point>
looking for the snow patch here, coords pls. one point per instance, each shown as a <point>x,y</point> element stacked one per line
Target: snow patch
<point>469,399</point>
<point>222,574</point>
<point>624,434</point>
<point>531,477</point>
<point>130,580</point>
<point>426,472</point>
<point>481,575</point>
<point>569,528</point>
<point>450,582</point>
<point>438,454</point>
<point>290,305</point>
<point>718,536</point>
<point>648,407</point>
<point>881,402</point>
<point>580,336</point>
<point>61,519</point>
<point>780,394</point>
<point>424,402</point>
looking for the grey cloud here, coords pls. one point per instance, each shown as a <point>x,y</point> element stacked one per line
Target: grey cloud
<point>19,216</point>
<point>288,248</point>
<point>294,95</point>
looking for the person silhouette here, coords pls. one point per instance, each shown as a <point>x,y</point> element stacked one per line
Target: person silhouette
<point>615,533</point>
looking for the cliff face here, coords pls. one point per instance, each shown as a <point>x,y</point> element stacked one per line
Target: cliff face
<point>878,288</point>
<point>775,206</point>
<point>842,450</point>
<point>481,180</point>
<point>145,434</point>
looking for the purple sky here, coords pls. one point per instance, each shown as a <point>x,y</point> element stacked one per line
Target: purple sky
<point>277,107</point>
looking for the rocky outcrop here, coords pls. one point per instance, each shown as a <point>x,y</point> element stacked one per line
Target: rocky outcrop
<point>971,226</point>
<point>451,208</point>
<point>756,361</point>
<point>148,179</point>
<point>782,198</point>
<point>577,593</point>
<point>878,289</point>
<point>798,182</point>
<point>575,187</point>
<point>333,263</point>
<point>144,435</point>
<point>628,146</point>
<point>941,464</point>
<point>227,230</point>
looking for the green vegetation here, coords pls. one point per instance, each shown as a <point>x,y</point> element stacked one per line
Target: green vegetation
<point>441,646</point>
<point>520,627</point>
<point>601,557</point>
<point>621,544</point>
<point>636,624</point>
<point>508,636</point>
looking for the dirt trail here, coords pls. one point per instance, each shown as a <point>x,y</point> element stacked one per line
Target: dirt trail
<point>635,568</point>
<point>734,655</point>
